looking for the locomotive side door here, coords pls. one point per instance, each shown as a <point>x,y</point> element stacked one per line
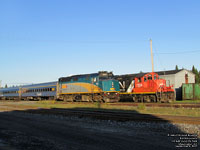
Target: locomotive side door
<point>150,82</point>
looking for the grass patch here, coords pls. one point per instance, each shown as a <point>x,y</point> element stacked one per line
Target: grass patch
<point>141,108</point>
<point>186,102</point>
<point>191,112</point>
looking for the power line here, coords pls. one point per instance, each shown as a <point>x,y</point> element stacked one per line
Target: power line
<point>183,52</point>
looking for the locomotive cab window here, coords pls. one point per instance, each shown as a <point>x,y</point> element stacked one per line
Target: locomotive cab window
<point>75,79</point>
<point>155,77</point>
<point>103,76</point>
<point>139,79</point>
<point>145,79</point>
<point>87,77</point>
<point>149,77</point>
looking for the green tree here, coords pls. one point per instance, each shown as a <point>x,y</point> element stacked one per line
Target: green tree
<point>193,68</point>
<point>6,86</point>
<point>197,74</point>
<point>176,68</point>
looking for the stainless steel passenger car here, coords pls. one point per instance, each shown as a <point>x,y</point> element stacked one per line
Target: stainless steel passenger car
<point>30,92</point>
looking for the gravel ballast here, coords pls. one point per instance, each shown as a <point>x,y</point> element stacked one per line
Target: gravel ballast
<point>24,131</point>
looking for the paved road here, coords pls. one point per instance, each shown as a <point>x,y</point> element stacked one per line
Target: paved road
<point>32,131</point>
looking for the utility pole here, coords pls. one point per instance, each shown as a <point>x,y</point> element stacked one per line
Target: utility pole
<point>151,55</point>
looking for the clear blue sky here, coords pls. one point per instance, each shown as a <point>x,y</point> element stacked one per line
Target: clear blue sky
<point>42,40</point>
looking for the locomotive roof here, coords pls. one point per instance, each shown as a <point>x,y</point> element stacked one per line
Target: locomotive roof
<point>78,76</point>
<point>129,76</point>
<point>40,84</point>
<point>63,79</point>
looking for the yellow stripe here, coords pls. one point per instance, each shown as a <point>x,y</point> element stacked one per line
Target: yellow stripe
<point>89,92</point>
<point>112,91</point>
<point>80,93</point>
<point>88,86</point>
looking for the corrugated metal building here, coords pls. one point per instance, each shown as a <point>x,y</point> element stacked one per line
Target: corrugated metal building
<point>177,78</point>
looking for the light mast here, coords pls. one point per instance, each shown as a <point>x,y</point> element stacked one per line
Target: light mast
<point>151,55</point>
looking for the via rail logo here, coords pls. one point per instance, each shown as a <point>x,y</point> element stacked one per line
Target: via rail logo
<point>64,86</point>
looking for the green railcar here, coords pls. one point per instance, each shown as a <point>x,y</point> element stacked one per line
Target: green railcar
<point>191,91</point>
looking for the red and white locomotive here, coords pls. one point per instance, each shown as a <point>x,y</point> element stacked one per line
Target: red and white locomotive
<point>145,87</point>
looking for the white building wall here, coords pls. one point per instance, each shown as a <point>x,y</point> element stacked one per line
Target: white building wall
<point>180,78</point>
<point>170,79</point>
<point>177,80</point>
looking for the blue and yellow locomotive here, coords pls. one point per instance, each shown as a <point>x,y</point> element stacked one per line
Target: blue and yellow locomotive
<point>89,87</point>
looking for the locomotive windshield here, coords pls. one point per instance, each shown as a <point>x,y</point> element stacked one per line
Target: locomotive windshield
<point>149,77</point>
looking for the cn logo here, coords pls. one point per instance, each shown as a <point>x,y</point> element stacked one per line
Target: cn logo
<point>139,85</point>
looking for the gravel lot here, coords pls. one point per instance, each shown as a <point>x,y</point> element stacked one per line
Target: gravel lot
<point>23,131</point>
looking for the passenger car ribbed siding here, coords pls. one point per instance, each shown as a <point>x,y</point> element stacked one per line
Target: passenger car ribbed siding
<point>39,90</point>
<point>34,90</point>
<point>9,92</point>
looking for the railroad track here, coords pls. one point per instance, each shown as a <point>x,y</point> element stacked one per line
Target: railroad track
<point>116,115</point>
<point>180,105</point>
<point>159,105</point>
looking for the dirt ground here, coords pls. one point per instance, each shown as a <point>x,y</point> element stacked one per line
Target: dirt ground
<point>24,131</point>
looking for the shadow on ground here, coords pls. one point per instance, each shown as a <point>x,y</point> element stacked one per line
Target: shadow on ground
<point>78,128</point>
